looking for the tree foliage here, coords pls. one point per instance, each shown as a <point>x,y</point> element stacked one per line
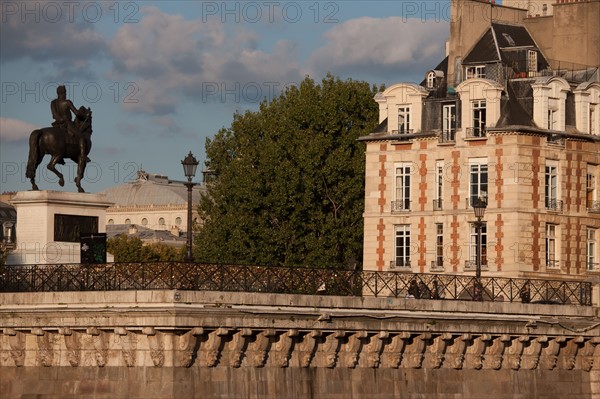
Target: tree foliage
<point>289,185</point>
<point>131,249</point>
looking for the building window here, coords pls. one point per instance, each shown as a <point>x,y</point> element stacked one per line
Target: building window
<point>591,191</point>
<point>439,186</point>
<point>127,221</point>
<point>532,61</point>
<point>439,245</point>
<point>593,119</point>
<point>111,221</point>
<point>473,243</point>
<point>479,115</point>
<point>404,120</point>
<point>551,258</point>
<point>591,249</point>
<point>478,182</point>
<point>552,119</point>
<point>402,181</point>
<point>448,123</point>
<point>402,250</point>
<point>551,187</point>
<point>477,71</point>
<point>144,222</point>
<point>431,80</point>
<point>178,221</point>
<point>161,221</point>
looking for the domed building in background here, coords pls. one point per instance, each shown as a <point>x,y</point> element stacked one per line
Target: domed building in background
<point>154,203</point>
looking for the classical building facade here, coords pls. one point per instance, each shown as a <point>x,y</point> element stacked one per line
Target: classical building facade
<point>496,121</point>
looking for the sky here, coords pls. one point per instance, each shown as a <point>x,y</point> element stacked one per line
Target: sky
<point>163,76</point>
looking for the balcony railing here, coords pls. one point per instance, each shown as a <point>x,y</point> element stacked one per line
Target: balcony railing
<point>401,206</point>
<point>552,264</point>
<point>437,204</point>
<point>471,265</point>
<point>554,205</point>
<point>400,264</point>
<point>281,280</point>
<point>476,132</point>
<point>403,131</point>
<point>592,266</point>
<point>470,201</point>
<point>447,137</point>
<point>436,266</point>
<point>593,206</point>
<point>556,140</point>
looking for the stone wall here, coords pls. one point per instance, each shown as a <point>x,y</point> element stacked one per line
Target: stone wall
<point>183,344</point>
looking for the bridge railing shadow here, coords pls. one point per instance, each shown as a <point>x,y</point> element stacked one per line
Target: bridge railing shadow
<point>288,280</point>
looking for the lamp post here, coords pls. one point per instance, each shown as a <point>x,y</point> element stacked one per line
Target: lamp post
<point>479,206</point>
<point>189,170</point>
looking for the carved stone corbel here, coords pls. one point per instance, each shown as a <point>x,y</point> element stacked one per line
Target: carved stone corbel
<point>16,340</point>
<point>531,353</point>
<point>45,342</point>
<point>492,359</point>
<point>568,353</point>
<point>394,350</point>
<point>474,354</point>
<point>100,345</point>
<point>373,349</point>
<point>236,347</point>
<point>415,351</point>
<point>549,354</point>
<point>586,354</point>
<point>434,355</point>
<point>156,345</point>
<point>187,346</point>
<point>281,350</point>
<point>515,351</point>
<point>328,352</point>
<point>307,348</point>
<point>128,341</point>
<point>211,349</point>
<point>73,345</point>
<point>349,353</point>
<point>256,354</point>
<point>596,355</point>
<point>455,353</point>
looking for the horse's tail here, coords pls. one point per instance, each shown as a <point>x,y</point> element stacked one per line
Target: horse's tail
<point>32,162</point>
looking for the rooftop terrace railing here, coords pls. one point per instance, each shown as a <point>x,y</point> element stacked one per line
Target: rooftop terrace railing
<point>288,280</point>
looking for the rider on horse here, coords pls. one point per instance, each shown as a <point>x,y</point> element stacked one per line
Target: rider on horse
<point>61,108</point>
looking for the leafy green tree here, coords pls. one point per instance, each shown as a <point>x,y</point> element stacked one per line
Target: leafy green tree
<point>289,179</point>
<point>131,249</point>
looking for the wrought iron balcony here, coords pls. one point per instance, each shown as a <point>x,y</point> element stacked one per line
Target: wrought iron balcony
<point>593,206</point>
<point>447,136</point>
<point>471,201</point>
<point>592,266</point>
<point>552,264</point>
<point>284,280</point>
<point>400,264</point>
<point>401,206</point>
<point>403,131</point>
<point>436,266</point>
<point>556,140</point>
<point>554,205</point>
<point>475,132</point>
<point>437,204</point>
<point>471,265</point>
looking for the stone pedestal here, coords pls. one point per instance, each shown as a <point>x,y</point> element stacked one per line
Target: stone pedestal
<point>49,224</point>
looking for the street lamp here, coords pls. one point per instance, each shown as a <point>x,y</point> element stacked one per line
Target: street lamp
<point>479,206</point>
<point>189,170</point>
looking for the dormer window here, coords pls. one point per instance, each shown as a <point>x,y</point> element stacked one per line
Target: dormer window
<point>404,120</point>
<point>549,102</point>
<point>477,71</point>
<point>431,80</point>
<point>479,117</point>
<point>532,61</point>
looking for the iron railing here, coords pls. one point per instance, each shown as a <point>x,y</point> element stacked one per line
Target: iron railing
<point>286,280</point>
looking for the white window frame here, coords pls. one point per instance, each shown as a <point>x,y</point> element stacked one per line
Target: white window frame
<point>532,61</point>
<point>478,117</point>
<point>593,116</point>
<point>431,80</point>
<point>478,180</point>
<point>402,186</point>
<point>473,244</point>
<point>439,185</point>
<point>475,71</point>
<point>439,245</point>
<point>552,255</point>
<point>449,122</point>
<point>404,119</point>
<point>591,249</point>
<point>551,186</point>
<point>402,246</point>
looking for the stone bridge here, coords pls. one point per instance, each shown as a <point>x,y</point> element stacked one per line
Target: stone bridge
<point>193,344</point>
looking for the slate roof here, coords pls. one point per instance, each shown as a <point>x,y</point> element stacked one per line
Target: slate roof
<point>145,234</point>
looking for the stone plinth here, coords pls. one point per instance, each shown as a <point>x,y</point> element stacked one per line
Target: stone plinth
<point>46,218</point>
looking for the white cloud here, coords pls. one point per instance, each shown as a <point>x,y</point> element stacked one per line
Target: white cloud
<point>389,46</point>
<point>15,130</point>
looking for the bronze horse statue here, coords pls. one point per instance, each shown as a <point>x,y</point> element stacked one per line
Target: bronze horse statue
<point>60,144</point>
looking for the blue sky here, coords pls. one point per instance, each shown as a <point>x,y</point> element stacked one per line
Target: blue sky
<point>162,76</point>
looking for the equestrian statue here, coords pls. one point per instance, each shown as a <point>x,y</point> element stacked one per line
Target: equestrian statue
<point>66,138</point>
